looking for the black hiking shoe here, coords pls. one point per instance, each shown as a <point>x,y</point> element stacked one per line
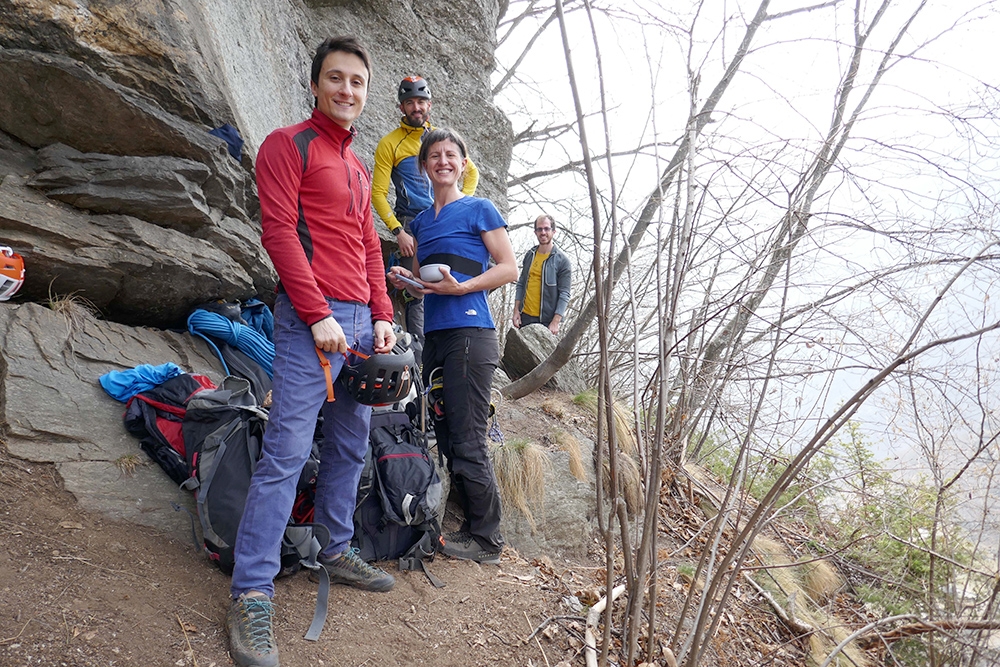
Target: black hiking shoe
<point>251,631</point>
<point>463,545</point>
<point>348,568</point>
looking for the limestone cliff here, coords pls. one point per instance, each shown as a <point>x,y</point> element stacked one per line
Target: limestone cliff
<point>110,185</point>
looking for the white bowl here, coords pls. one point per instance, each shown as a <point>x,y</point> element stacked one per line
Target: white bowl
<point>431,273</point>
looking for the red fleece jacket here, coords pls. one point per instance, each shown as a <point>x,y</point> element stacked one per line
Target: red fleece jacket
<point>315,197</point>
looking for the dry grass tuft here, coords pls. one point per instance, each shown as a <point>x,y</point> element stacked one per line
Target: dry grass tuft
<point>520,467</point>
<point>820,580</point>
<point>76,309</point>
<point>553,409</point>
<point>798,589</point>
<point>772,552</point>
<point>128,463</point>
<point>624,433</point>
<point>629,482</point>
<point>569,444</point>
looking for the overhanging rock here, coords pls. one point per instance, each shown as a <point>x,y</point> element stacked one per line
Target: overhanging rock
<point>52,99</point>
<point>131,271</point>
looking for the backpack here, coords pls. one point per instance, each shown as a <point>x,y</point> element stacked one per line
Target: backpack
<point>399,494</point>
<point>155,416</point>
<point>224,433</point>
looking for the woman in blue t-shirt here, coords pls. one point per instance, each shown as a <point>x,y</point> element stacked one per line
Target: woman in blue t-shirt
<point>460,234</point>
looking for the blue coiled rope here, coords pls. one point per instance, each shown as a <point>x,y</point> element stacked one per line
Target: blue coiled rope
<point>255,345</point>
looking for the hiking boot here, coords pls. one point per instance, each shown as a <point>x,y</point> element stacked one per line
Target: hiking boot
<point>348,568</point>
<point>251,631</point>
<point>463,545</point>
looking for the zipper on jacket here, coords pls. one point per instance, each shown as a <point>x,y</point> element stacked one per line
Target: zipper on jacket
<point>347,167</point>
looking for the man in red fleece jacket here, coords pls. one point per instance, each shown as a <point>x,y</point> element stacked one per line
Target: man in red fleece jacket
<point>315,199</point>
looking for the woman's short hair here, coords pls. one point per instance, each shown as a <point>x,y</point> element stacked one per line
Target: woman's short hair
<point>436,137</point>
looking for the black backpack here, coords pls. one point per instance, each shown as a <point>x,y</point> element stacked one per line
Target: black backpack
<point>223,435</point>
<point>398,495</point>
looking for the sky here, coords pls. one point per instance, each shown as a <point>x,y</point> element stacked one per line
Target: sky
<point>784,92</point>
<point>919,172</point>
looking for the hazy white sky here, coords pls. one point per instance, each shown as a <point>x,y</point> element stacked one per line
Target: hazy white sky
<point>911,165</point>
<point>784,92</point>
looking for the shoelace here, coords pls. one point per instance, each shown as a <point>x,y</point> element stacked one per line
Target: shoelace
<point>258,613</point>
<point>356,561</point>
<point>460,537</point>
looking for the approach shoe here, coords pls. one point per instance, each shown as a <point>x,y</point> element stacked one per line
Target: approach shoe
<point>348,568</point>
<point>250,622</point>
<point>463,545</point>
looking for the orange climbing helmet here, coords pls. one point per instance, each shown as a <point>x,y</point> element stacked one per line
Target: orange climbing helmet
<point>11,272</point>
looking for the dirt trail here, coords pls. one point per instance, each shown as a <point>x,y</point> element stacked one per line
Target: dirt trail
<point>80,590</point>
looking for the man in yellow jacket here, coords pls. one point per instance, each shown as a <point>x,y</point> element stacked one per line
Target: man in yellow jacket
<point>396,162</point>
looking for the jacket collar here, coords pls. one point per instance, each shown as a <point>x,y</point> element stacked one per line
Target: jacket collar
<point>331,130</point>
<point>555,249</point>
<point>426,127</point>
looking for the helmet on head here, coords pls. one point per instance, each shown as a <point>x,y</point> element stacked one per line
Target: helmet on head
<point>413,86</point>
<point>381,378</point>
<point>11,272</point>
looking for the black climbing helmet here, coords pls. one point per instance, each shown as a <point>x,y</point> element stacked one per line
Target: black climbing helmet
<point>380,379</point>
<point>413,86</point>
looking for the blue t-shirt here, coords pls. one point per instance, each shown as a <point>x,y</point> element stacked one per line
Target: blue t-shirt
<point>457,230</point>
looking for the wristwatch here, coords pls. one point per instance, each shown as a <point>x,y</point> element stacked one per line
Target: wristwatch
<point>397,231</point>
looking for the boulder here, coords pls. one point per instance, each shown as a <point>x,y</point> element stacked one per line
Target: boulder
<point>529,346</point>
<point>566,517</point>
<point>131,271</point>
<point>53,410</point>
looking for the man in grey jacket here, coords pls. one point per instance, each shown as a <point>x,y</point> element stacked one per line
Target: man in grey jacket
<point>546,277</point>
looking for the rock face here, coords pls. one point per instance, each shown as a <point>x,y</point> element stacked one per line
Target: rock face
<point>130,270</point>
<point>53,409</point>
<point>107,106</point>
<point>529,346</point>
<point>166,191</point>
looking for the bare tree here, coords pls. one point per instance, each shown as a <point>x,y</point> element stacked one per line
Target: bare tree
<point>737,301</point>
